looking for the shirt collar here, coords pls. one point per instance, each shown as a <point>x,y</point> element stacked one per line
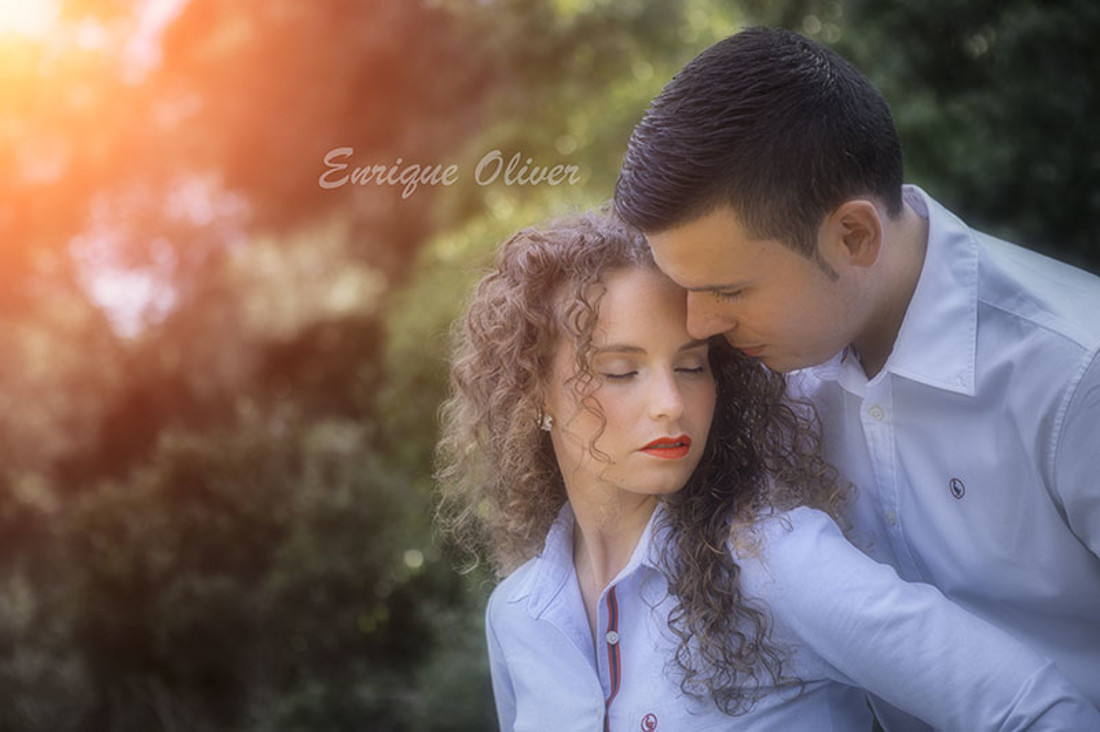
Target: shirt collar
<point>937,341</point>
<point>831,369</point>
<point>553,567</point>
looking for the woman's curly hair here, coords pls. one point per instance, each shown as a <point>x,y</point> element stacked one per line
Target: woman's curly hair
<point>501,488</point>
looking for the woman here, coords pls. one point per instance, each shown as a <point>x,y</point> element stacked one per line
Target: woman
<point>664,521</point>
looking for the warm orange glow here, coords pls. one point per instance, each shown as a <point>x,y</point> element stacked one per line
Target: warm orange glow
<point>27,17</point>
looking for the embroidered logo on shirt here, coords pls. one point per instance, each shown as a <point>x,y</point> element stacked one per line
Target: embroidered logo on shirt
<point>958,488</point>
<point>649,722</point>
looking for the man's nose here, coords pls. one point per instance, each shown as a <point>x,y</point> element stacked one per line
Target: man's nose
<point>704,319</point>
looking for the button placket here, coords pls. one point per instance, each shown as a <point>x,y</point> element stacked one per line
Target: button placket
<point>614,664</point>
<point>878,427</point>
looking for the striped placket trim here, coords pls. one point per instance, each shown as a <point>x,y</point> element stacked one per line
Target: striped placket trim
<point>612,655</point>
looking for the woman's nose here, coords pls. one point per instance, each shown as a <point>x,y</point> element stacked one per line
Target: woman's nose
<point>666,398</point>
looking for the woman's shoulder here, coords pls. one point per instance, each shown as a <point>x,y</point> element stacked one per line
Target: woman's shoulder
<point>513,587</point>
<point>536,583</point>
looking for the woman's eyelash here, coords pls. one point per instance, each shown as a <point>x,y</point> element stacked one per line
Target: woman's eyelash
<point>727,296</point>
<point>628,374</point>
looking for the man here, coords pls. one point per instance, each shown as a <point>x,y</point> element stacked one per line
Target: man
<point>956,375</point>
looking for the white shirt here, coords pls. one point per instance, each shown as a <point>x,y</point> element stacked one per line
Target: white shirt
<point>848,621</point>
<point>976,449</point>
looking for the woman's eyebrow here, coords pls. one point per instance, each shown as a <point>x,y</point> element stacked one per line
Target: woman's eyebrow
<point>619,348</point>
<point>695,343</point>
<point>627,348</point>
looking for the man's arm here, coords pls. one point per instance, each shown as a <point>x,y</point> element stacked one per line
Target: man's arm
<point>905,642</point>
<point>1075,466</point>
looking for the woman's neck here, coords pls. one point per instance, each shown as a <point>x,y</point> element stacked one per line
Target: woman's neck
<point>604,539</point>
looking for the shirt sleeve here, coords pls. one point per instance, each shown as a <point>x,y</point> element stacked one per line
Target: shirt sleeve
<point>1076,453</point>
<point>504,694</point>
<point>904,642</point>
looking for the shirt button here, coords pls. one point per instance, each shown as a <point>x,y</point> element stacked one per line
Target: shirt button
<point>877,413</point>
<point>612,637</point>
<point>892,517</point>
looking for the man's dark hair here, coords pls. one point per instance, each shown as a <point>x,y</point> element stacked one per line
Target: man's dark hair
<point>776,126</point>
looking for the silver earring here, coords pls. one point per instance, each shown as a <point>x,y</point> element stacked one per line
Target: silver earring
<point>546,422</point>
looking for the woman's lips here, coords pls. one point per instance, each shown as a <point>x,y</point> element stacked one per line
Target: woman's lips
<point>669,448</point>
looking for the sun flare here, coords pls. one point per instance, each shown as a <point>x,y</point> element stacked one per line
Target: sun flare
<point>26,17</point>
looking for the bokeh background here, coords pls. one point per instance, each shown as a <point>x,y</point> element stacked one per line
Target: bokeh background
<point>219,380</point>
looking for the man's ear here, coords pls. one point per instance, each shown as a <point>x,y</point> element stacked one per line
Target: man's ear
<point>854,231</point>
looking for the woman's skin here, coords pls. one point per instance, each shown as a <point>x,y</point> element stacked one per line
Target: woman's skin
<point>657,396</point>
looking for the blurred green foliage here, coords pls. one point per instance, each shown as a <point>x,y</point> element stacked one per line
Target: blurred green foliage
<point>220,518</point>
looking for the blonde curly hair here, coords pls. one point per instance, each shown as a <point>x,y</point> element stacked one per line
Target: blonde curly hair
<point>500,486</point>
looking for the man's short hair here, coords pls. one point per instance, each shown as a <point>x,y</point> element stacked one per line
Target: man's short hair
<point>774,125</point>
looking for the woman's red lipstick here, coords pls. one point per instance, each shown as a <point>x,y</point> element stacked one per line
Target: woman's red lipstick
<point>669,448</point>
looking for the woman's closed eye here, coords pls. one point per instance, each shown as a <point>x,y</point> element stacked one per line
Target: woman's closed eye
<point>616,367</point>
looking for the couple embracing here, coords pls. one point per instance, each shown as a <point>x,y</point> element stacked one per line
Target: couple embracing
<point>779,440</point>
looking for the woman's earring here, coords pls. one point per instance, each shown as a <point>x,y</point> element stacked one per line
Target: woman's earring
<point>546,422</point>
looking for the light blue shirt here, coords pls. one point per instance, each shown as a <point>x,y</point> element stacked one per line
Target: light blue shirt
<point>976,449</point>
<point>848,622</point>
